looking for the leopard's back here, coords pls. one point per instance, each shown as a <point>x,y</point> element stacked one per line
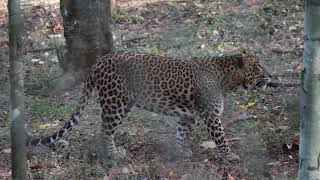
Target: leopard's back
<point>155,83</point>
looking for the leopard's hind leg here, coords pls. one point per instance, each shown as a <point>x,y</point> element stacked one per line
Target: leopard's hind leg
<point>183,132</point>
<point>115,104</point>
<point>184,129</point>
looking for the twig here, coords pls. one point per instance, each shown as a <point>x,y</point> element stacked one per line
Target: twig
<point>287,74</point>
<point>276,50</point>
<point>40,50</point>
<point>279,117</point>
<point>238,118</point>
<point>135,39</point>
<point>276,163</point>
<point>164,16</point>
<point>183,1</point>
<point>234,139</point>
<point>279,84</point>
<point>26,4</point>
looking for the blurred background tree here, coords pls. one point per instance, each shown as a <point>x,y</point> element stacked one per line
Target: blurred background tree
<point>17,121</point>
<point>309,164</point>
<point>88,37</point>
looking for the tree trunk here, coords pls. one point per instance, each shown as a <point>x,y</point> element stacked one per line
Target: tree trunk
<point>18,138</point>
<point>87,32</point>
<point>309,164</point>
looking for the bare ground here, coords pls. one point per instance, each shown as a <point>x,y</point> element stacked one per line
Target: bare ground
<point>262,126</point>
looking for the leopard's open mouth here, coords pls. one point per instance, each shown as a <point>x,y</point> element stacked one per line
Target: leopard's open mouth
<point>262,83</point>
<point>259,84</point>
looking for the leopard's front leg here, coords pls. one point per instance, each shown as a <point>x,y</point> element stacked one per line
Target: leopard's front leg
<point>209,102</point>
<point>217,134</point>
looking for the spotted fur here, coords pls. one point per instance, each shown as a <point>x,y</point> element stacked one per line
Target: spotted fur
<point>187,89</point>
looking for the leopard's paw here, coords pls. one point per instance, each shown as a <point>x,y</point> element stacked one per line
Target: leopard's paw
<point>119,153</point>
<point>185,152</point>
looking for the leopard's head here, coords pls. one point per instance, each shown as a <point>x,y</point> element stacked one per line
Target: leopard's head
<point>256,73</point>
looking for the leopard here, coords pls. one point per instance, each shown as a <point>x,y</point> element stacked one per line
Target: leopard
<point>186,89</point>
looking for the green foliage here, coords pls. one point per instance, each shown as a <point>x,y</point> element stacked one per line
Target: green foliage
<point>3,136</point>
<point>136,19</point>
<point>197,135</point>
<point>196,7</point>
<point>175,5</point>
<point>42,126</point>
<point>214,20</point>
<point>270,9</point>
<point>292,107</point>
<point>154,49</point>
<point>36,80</point>
<point>48,107</point>
<point>4,117</point>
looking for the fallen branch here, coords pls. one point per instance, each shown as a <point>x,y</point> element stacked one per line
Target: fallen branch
<point>279,84</point>
<point>235,139</point>
<point>236,117</point>
<point>286,74</point>
<point>277,50</point>
<point>135,39</point>
<point>40,50</point>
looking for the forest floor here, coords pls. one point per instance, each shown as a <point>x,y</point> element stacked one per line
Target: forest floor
<point>263,127</point>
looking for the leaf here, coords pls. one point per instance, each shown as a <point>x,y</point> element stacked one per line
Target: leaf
<point>228,176</point>
<point>6,151</point>
<point>5,174</point>
<point>57,27</point>
<point>276,163</point>
<point>107,177</point>
<point>125,170</point>
<point>136,19</point>
<point>6,44</point>
<point>55,36</point>
<point>42,126</point>
<point>154,49</point>
<point>288,148</point>
<point>172,175</point>
<point>249,105</point>
<point>176,6</point>
<point>35,60</point>
<point>208,144</point>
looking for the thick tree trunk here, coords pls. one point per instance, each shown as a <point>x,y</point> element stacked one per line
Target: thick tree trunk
<point>18,138</point>
<point>309,165</point>
<point>87,32</point>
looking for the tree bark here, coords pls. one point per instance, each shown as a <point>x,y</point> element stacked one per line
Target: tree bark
<point>309,164</point>
<point>18,138</point>
<point>87,32</point>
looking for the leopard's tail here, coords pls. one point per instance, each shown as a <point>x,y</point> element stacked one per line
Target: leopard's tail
<point>74,119</point>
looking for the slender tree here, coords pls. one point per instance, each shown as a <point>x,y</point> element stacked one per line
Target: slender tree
<point>309,165</point>
<point>88,36</point>
<point>18,138</point>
